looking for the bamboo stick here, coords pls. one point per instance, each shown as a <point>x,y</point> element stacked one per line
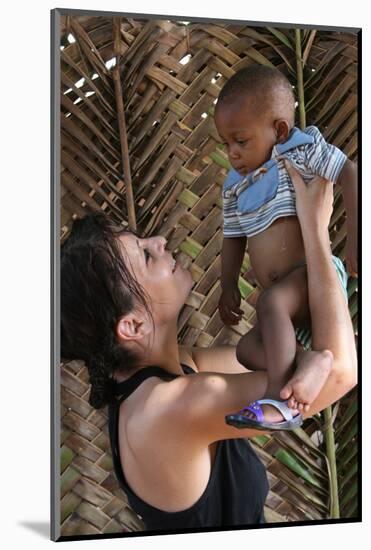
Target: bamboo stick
<point>331,455</point>
<point>299,76</point>
<point>122,129</point>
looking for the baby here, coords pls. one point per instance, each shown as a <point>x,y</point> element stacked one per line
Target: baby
<point>254,117</point>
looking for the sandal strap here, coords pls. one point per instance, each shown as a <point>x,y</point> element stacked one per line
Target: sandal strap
<point>281,406</point>
<point>256,409</point>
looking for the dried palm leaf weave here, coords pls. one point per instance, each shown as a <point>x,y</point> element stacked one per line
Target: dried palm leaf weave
<point>144,91</point>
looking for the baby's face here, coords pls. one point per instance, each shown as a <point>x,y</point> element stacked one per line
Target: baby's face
<point>248,137</point>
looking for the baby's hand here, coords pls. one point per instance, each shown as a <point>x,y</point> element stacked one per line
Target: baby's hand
<point>229,305</point>
<point>351,255</point>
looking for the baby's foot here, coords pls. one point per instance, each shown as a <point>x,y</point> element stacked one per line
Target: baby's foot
<point>271,414</point>
<point>308,380</point>
<point>267,416</point>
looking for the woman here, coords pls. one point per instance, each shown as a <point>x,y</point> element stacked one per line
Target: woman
<point>178,461</point>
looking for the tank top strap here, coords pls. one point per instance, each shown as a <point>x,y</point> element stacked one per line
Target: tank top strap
<point>187,369</point>
<point>127,387</point>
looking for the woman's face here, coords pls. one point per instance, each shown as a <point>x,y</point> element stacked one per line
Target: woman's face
<point>166,282</point>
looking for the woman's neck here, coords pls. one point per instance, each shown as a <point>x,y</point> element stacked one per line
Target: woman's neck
<point>162,350</point>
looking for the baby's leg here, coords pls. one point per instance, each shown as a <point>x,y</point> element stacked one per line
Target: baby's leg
<point>250,351</point>
<point>278,307</point>
<point>284,306</point>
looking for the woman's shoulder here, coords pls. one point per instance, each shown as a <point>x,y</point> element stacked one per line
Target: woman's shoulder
<point>190,410</point>
<point>220,359</point>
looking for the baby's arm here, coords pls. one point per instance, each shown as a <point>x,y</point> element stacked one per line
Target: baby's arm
<point>349,186</point>
<point>233,250</point>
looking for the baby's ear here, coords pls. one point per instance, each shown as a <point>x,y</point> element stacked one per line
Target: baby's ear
<point>282,130</point>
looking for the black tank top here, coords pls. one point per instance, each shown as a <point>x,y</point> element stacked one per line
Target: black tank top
<point>237,487</point>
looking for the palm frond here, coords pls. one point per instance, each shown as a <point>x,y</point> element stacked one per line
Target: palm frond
<point>153,84</point>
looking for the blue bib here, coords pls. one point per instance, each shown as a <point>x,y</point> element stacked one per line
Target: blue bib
<point>260,186</point>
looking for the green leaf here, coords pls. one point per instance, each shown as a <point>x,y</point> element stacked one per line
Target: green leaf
<point>352,492</point>
<point>348,455</point>
<point>66,457</point>
<point>220,159</point>
<point>348,415</point>
<point>296,466</point>
<point>188,198</point>
<point>349,435</point>
<point>245,287</point>
<point>282,37</point>
<point>352,286</point>
<point>261,440</point>
<point>352,471</point>
<point>351,510</point>
<point>68,479</point>
<point>353,309</point>
<point>185,176</point>
<point>258,57</point>
<point>246,263</point>
<point>191,248</point>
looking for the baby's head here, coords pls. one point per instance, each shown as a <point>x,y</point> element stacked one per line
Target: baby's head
<point>255,110</point>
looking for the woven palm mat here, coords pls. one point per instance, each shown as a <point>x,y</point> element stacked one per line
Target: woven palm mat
<point>171,74</point>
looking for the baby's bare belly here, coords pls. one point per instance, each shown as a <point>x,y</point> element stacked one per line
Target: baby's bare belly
<point>276,251</point>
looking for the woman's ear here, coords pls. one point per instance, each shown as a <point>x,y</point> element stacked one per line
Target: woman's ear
<point>282,129</point>
<point>132,327</point>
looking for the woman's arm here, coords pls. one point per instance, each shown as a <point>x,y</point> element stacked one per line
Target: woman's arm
<point>331,324</point>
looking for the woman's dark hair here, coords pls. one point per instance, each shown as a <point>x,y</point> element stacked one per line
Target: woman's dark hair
<point>97,288</point>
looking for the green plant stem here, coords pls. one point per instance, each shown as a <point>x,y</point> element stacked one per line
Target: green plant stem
<point>331,456</point>
<point>299,76</point>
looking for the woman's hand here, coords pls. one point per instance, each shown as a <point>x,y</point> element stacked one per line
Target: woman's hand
<point>313,200</point>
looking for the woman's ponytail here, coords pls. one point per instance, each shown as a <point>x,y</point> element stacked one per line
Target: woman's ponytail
<point>102,384</point>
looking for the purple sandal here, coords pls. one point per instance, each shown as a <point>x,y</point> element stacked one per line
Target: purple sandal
<point>240,420</point>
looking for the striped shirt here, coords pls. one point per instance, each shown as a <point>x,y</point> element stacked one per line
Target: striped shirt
<point>252,203</point>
